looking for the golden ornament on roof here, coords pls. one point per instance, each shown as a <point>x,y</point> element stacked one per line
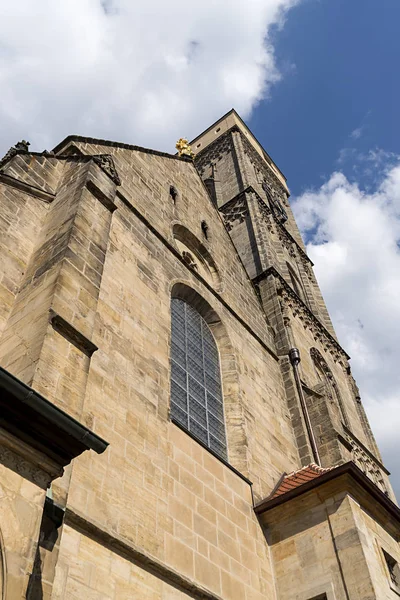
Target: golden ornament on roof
<point>183,147</point>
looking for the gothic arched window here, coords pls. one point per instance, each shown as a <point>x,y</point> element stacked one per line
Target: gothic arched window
<point>325,375</point>
<point>297,285</point>
<point>196,394</point>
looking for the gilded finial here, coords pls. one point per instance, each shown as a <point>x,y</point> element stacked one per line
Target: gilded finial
<point>182,145</point>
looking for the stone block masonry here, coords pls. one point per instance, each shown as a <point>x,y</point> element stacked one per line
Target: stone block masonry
<point>94,247</point>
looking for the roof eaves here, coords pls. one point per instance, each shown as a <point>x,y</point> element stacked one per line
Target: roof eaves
<point>348,468</point>
<point>24,394</point>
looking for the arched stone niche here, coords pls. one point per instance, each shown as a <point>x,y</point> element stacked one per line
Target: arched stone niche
<point>325,375</point>
<point>196,255</point>
<point>233,410</point>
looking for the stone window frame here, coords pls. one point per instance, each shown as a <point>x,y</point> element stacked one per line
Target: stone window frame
<point>186,241</point>
<point>392,569</point>
<point>323,591</point>
<point>331,385</point>
<point>196,401</point>
<point>236,436</point>
<point>297,284</point>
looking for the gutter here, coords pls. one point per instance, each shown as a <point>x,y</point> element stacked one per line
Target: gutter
<point>29,397</point>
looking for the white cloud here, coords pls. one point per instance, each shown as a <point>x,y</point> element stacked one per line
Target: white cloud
<point>356,133</point>
<point>353,240</point>
<point>141,72</point>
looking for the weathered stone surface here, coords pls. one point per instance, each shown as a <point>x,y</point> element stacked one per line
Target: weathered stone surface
<point>85,293</point>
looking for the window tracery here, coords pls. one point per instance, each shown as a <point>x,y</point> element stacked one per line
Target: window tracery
<point>196,391</point>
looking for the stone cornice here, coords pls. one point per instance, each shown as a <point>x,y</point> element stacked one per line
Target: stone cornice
<point>291,298</point>
<point>266,208</point>
<point>365,449</point>
<point>105,162</point>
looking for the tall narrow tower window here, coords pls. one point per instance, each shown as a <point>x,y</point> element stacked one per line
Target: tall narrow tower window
<point>196,394</point>
<point>297,284</point>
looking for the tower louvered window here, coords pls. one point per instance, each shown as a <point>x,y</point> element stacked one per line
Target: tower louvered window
<point>196,394</point>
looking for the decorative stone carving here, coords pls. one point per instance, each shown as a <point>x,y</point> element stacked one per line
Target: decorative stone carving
<point>266,214</point>
<point>332,387</point>
<point>275,202</point>
<point>235,211</point>
<point>105,162</point>
<point>189,260</point>
<point>300,310</point>
<point>196,256</point>
<point>22,146</point>
<point>365,461</point>
<point>284,236</point>
<point>214,151</point>
<point>275,187</point>
<point>319,359</point>
<point>25,468</point>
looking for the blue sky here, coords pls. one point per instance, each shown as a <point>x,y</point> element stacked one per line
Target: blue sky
<point>317,82</point>
<point>340,62</point>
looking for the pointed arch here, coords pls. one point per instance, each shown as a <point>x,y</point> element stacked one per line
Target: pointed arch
<point>188,243</point>
<point>332,387</point>
<point>233,410</point>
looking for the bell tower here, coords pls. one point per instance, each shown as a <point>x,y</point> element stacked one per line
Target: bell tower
<point>252,196</point>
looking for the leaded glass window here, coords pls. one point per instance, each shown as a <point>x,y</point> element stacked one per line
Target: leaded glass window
<point>196,394</point>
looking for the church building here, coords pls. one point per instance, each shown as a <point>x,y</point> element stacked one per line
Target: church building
<point>178,418</point>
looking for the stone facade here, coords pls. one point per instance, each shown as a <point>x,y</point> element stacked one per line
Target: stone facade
<point>96,238</point>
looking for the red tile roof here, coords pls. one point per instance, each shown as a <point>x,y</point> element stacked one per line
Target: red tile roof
<point>297,478</point>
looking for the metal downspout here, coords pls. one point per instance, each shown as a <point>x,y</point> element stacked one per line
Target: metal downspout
<point>294,356</point>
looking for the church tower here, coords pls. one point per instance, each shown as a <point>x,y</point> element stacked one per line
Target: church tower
<point>178,418</point>
<point>252,197</point>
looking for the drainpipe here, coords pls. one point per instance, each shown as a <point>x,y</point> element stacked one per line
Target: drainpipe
<point>294,356</point>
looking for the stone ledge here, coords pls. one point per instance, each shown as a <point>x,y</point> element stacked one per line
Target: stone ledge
<point>136,555</point>
<point>26,187</point>
<point>97,193</point>
<point>283,229</point>
<point>71,334</point>
<point>293,296</point>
